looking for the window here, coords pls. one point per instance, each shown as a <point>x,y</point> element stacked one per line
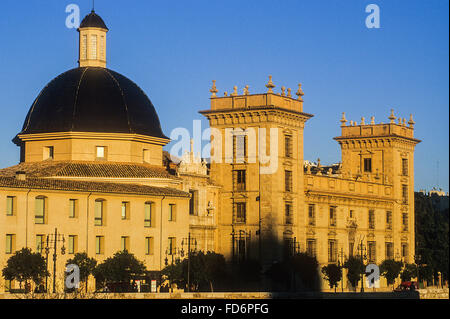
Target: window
<point>84,47</point>
<point>48,152</point>
<point>99,245</point>
<point>10,205</point>
<point>239,179</point>
<point>288,181</point>
<point>311,214</point>
<point>405,193</point>
<point>288,146</point>
<point>371,249</point>
<point>239,148</point>
<point>102,47</point>
<point>332,251</point>
<point>149,215</point>
<point>193,202</point>
<point>125,213</point>
<point>332,215</point>
<point>351,247</point>
<point>368,165</point>
<point>149,245</point>
<point>389,220</point>
<point>99,212</point>
<point>288,213</point>
<point>10,243</point>
<point>404,167</point>
<point>404,221</point>
<point>172,213</point>
<point>100,152</point>
<point>240,213</point>
<point>145,156</point>
<point>172,246</point>
<point>72,244</point>
<point>125,243</point>
<point>73,207</point>
<point>371,219</point>
<point>389,251</point>
<point>93,47</point>
<point>405,252</point>
<point>40,243</point>
<point>352,213</point>
<point>39,212</point>
<point>311,247</point>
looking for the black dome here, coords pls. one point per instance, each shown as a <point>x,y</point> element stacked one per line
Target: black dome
<point>93,20</point>
<point>92,99</point>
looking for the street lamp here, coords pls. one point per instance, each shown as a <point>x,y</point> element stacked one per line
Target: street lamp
<point>173,252</point>
<point>341,261</point>
<point>54,239</point>
<point>363,256</point>
<point>188,242</point>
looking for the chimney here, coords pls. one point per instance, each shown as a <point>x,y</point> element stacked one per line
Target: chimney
<point>21,175</point>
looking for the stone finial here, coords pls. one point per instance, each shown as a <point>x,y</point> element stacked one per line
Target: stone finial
<point>411,121</point>
<point>270,85</point>
<point>399,121</point>
<point>289,92</point>
<point>363,121</point>
<point>213,90</point>
<point>283,88</point>
<point>372,120</point>
<point>330,171</point>
<point>299,92</point>
<point>343,119</point>
<point>318,162</point>
<point>404,122</point>
<point>235,92</point>
<point>308,169</point>
<point>225,93</point>
<point>246,90</point>
<point>392,117</point>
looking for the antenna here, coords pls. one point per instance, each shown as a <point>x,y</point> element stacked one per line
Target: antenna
<point>93,5</point>
<point>437,175</point>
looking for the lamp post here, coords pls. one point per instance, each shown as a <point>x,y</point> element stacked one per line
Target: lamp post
<point>54,239</point>
<point>188,242</point>
<point>363,256</point>
<point>341,261</point>
<point>173,251</point>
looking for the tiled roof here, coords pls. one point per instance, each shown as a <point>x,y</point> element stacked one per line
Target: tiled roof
<point>87,169</point>
<point>84,186</point>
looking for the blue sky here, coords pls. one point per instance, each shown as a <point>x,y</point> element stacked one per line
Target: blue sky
<point>173,49</point>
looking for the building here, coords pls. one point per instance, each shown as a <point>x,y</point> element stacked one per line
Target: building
<point>92,167</point>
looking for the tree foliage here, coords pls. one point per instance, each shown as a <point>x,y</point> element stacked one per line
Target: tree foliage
<point>25,265</point>
<point>431,232</point>
<point>121,268</point>
<point>205,271</point>
<point>333,274</point>
<point>355,268</point>
<point>408,272</point>
<point>85,264</point>
<point>390,269</point>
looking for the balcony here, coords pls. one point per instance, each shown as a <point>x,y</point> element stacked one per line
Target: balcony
<point>202,221</point>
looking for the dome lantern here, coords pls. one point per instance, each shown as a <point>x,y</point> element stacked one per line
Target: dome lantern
<point>92,41</point>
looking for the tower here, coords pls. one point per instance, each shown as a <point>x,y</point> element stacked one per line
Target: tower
<point>257,159</point>
<point>92,48</point>
<point>384,153</point>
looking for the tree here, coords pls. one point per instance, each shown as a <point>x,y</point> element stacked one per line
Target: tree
<point>355,268</point>
<point>390,269</point>
<point>205,271</point>
<point>25,265</point>
<point>333,274</point>
<point>306,268</point>
<point>85,264</point>
<point>409,271</point>
<point>119,269</point>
